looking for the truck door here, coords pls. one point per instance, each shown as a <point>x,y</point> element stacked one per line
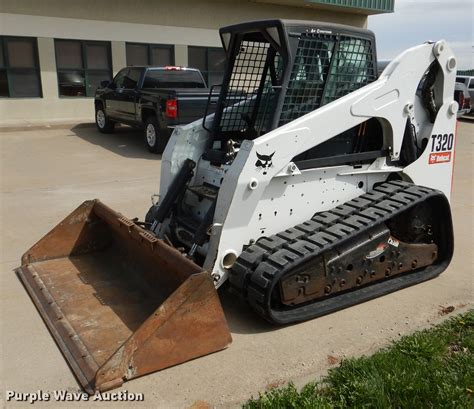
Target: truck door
<point>120,104</point>
<point>129,94</point>
<point>111,98</point>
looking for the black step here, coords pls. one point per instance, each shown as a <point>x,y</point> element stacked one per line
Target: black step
<point>205,191</point>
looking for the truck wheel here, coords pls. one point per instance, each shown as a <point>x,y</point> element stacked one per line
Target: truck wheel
<point>154,139</point>
<point>103,124</point>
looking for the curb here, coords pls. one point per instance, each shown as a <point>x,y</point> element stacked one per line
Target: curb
<point>36,127</point>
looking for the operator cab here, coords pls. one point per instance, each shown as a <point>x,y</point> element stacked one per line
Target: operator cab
<point>280,70</point>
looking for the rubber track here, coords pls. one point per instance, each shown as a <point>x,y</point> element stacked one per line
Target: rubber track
<point>259,267</point>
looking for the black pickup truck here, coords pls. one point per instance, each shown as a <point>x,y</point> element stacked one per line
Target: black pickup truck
<point>155,99</point>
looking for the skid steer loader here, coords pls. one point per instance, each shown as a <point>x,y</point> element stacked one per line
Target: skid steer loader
<point>314,186</point>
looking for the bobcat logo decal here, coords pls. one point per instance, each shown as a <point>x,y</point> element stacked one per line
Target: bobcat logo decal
<point>264,162</point>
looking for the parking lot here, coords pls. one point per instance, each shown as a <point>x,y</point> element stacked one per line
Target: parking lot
<point>46,173</point>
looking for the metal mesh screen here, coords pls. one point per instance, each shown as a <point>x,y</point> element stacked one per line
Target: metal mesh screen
<point>324,70</point>
<point>351,69</point>
<point>308,76</point>
<point>250,95</point>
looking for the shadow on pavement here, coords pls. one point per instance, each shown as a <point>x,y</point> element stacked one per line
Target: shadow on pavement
<point>240,317</point>
<point>124,141</point>
<point>128,142</point>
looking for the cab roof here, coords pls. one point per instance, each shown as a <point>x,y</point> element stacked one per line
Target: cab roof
<point>288,25</point>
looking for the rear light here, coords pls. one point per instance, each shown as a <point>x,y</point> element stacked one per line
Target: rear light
<point>171,108</point>
<point>461,100</point>
<point>174,68</point>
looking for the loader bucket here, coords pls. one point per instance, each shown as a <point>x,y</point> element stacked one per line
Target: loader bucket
<point>119,302</point>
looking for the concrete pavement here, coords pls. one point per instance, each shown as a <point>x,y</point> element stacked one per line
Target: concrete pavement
<point>45,174</point>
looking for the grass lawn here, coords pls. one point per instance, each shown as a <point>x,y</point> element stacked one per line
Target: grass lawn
<point>433,368</point>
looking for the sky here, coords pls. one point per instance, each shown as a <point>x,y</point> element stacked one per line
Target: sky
<point>417,21</point>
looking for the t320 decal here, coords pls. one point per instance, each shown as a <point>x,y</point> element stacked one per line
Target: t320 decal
<point>441,148</point>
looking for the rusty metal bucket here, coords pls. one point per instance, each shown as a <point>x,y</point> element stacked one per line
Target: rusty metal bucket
<point>119,302</point>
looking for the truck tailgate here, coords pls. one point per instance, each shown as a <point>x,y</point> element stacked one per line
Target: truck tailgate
<point>192,104</point>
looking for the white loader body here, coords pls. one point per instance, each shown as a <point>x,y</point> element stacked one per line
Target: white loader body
<point>253,203</point>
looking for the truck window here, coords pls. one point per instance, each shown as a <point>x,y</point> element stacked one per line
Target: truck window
<point>132,78</point>
<point>120,77</point>
<point>173,79</point>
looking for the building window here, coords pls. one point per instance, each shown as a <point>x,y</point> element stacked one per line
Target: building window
<point>210,61</point>
<point>81,66</point>
<point>19,67</point>
<point>150,54</point>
